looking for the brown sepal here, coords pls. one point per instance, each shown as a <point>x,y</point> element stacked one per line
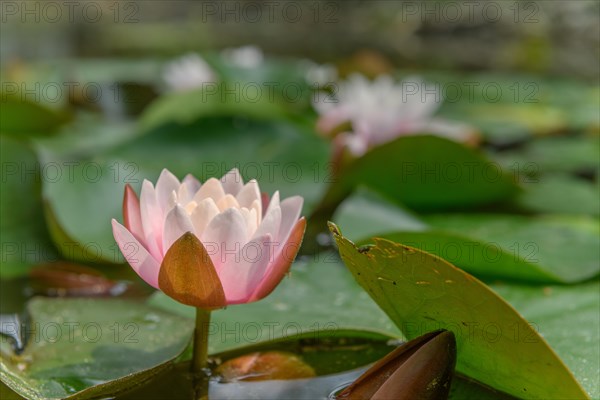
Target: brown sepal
<point>188,275</point>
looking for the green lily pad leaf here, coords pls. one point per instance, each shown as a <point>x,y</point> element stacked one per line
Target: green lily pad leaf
<point>516,106</point>
<point>271,69</point>
<point>496,346</point>
<point>547,248</point>
<point>502,122</point>
<point>88,135</point>
<point>560,193</point>
<point>337,357</point>
<point>23,118</point>
<point>539,249</point>
<point>554,311</point>
<point>553,154</point>
<point>425,173</point>
<point>89,348</point>
<point>464,388</point>
<point>320,350</point>
<point>365,214</point>
<point>23,235</point>
<point>113,70</point>
<point>186,107</point>
<point>272,90</point>
<point>7,394</point>
<point>296,306</point>
<point>80,205</point>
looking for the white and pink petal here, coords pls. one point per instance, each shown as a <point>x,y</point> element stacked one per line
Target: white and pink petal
<point>177,223</point>
<point>224,236</point>
<point>232,182</point>
<point>142,262</point>
<point>212,188</point>
<point>241,277</point>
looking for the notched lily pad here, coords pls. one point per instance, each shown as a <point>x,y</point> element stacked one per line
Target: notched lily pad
<point>496,346</point>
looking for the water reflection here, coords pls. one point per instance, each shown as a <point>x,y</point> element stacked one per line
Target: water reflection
<point>322,387</point>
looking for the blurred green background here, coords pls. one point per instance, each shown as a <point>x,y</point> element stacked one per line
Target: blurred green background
<point>559,38</point>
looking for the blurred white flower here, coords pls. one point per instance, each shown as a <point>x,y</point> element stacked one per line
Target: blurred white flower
<point>319,75</point>
<point>244,57</point>
<point>188,72</point>
<point>382,110</point>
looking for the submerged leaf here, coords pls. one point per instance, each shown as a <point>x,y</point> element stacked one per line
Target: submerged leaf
<point>261,366</point>
<point>68,279</point>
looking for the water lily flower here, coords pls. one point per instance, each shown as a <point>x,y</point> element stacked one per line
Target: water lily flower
<point>244,57</point>
<point>188,72</point>
<point>381,110</point>
<point>212,244</point>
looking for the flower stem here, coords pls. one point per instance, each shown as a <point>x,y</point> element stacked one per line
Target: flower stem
<point>200,356</point>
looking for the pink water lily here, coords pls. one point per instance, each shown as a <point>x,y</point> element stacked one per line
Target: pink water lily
<point>382,110</point>
<point>212,244</point>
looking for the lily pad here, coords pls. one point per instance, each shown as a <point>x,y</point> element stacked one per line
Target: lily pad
<point>559,193</point>
<point>337,357</point>
<point>271,90</point>
<point>7,394</point>
<point>365,214</point>
<point>87,348</point>
<point>568,317</point>
<point>496,346</point>
<point>425,173</point>
<point>214,100</point>
<point>24,237</point>
<point>564,248</point>
<point>330,352</point>
<point>539,249</point>
<point>515,106</point>
<point>296,306</point>
<point>82,201</point>
<point>24,118</point>
<point>566,154</point>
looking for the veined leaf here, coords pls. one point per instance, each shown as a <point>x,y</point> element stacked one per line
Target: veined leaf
<point>496,346</point>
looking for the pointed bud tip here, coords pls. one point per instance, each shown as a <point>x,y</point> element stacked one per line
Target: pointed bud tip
<point>419,369</point>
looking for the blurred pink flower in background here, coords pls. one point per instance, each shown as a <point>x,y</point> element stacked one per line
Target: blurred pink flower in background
<point>188,72</point>
<point>382,110</point>
<point>250,241</point>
